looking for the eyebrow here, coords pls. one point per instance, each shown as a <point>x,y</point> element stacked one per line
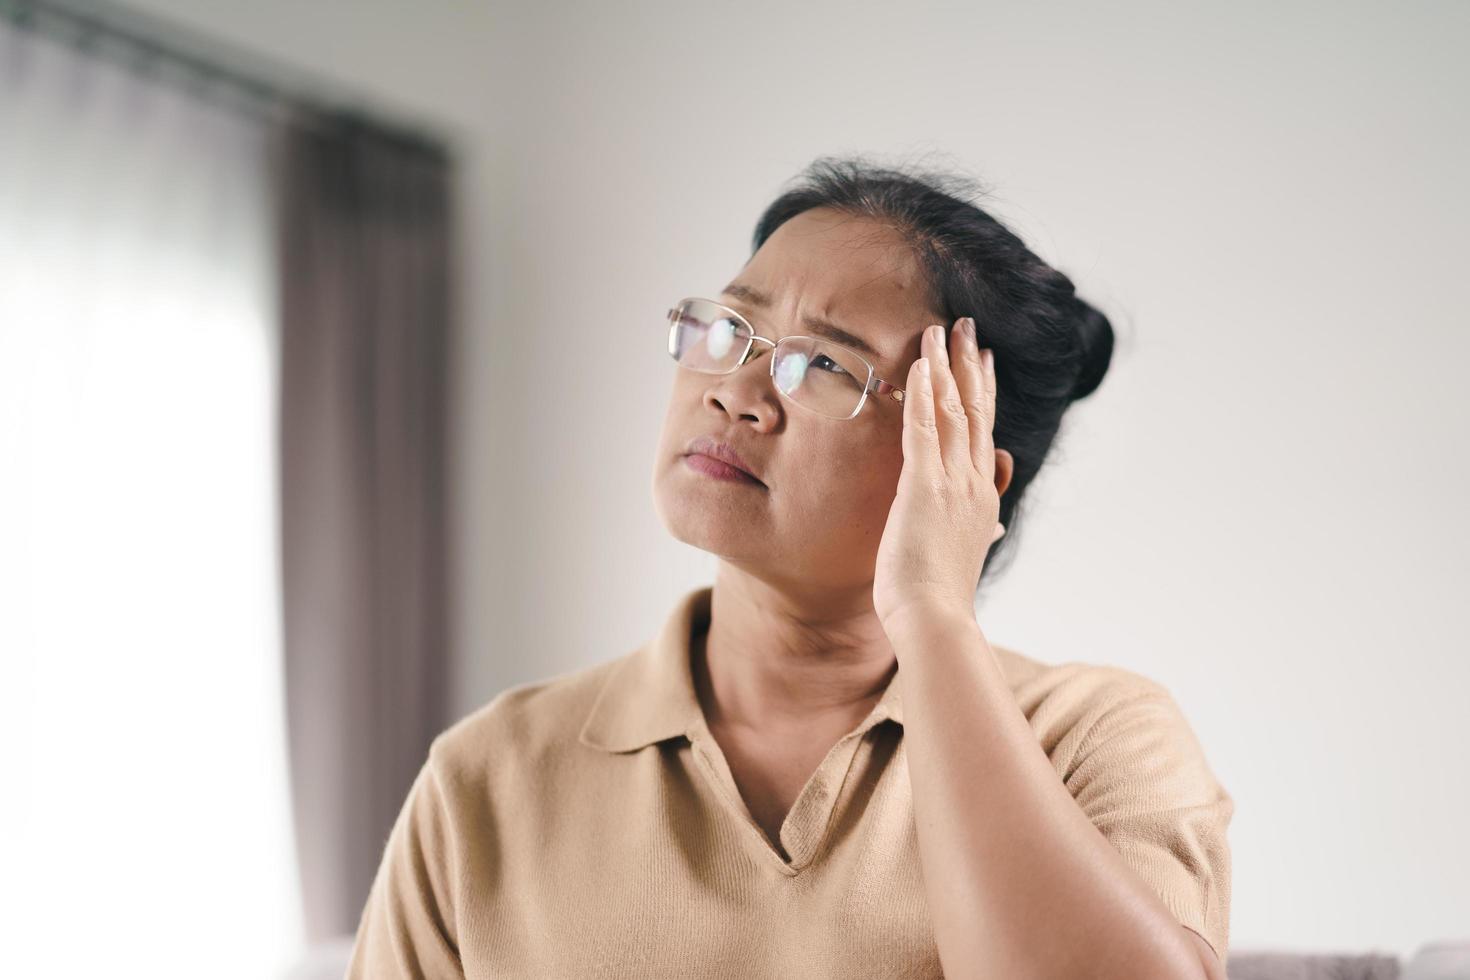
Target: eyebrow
<point>811,321</point>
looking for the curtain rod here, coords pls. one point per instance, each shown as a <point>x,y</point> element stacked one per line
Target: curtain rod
<point>141,42</point>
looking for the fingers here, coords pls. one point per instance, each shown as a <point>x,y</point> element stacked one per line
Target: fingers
<point>955,407</point>
<point>949,406</point>
<point>988,450</point>
<point>920,437</point>
<point>970,377</point>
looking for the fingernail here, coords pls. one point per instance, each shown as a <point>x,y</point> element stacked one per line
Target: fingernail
<point>942,335</point>
<point>924,367</point>
<point>967,324</point>
<point>989,356</point>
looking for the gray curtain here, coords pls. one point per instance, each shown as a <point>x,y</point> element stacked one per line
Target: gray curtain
<point>364,250</point>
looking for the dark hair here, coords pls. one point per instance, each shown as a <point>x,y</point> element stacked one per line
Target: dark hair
<point>1051,347</point>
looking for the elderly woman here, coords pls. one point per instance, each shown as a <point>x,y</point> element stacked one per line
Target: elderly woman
<point>820,766</point>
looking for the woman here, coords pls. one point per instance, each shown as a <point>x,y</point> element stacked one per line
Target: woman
<point>820,766</point>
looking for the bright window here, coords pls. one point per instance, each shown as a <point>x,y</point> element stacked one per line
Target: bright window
<point>141,707</point>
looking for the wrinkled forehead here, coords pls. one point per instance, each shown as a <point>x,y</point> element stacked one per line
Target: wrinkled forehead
<point>860,273</point>
<point>830,254</point>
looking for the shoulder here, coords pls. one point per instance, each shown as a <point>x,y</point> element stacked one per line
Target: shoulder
<point>1068,702</point>
<point>523,724</point>
<point>1123,748</point>
<point>1102,724</point>
<point>1075,684</point>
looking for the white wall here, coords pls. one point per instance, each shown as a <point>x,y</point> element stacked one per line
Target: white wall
<point>1260,508</point>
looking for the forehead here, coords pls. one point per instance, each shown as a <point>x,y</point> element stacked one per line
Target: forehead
<point>848,278</point>
<point>856,271</point>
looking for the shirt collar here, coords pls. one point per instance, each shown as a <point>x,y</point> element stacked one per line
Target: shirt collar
<point>650,696</point>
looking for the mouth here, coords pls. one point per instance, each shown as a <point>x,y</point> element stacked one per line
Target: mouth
<point>718,469</point>
<point>720,460</point>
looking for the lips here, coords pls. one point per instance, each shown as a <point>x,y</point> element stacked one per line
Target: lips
<point>722,451</point>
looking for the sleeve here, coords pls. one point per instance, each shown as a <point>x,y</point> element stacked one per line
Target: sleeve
<point>408,927</point>
<point>1143,781</point>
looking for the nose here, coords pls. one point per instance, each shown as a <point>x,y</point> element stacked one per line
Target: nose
<point>747,393</point>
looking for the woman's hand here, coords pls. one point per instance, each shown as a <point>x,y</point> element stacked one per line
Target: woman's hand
<point>945,515</point>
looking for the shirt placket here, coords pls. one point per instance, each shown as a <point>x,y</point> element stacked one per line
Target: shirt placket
<point>807,823</point>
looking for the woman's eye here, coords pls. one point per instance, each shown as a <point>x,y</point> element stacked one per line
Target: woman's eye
<point>825,363</point>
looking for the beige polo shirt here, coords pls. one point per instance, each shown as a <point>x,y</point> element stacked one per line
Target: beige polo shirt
<point>588,826</point>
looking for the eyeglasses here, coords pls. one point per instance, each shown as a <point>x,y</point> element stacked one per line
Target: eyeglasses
<point>819,375</point>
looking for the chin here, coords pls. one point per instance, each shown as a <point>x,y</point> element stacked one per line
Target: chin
<point>709,515</point>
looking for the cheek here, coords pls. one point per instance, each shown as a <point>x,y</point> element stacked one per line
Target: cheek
<point>850,485</point>
<point>882,485</point>
<point>680,410</point>
<point>884,464</point>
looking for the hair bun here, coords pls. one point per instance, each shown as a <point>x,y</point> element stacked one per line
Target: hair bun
<point>1095,341</point>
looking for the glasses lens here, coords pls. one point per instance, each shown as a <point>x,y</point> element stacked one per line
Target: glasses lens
<point>706,338</point>
<point>827,378</point>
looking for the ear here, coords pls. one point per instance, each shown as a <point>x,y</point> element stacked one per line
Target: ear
<point>1004,467</point>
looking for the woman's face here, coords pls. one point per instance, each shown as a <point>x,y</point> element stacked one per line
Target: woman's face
<point>828,483</point>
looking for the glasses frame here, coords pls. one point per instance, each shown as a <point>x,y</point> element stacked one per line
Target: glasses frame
<point>874,384</point>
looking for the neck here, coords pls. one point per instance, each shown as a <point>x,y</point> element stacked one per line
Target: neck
<point>775,659</point>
